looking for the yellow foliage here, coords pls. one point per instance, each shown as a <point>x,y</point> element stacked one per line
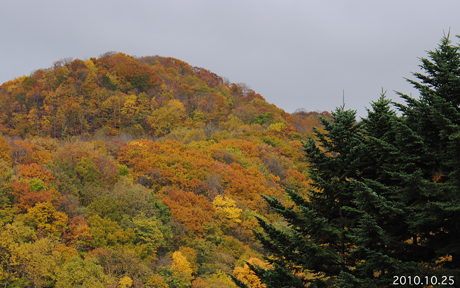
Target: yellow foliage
<point>186,135</point>
<point>194,135</point>
<point>66,253</point>
<point>181,265</point>
<point>106,233</point>
<point>176,104</point>
<point>91,67</point>
<point>163,120</point>
<point>199,116</point>
<point>233,124</point>
<point>12,84</point>
<point>276,127</point>
<point>226,207</point>
<point>47,220</point>
<point>130,107</point>
<point>190,255</point>
<point>11,237</point>
<point>38,260</point>
<point>125,282</point>
<point>444,259</point>
<point>157,281</point>
<point>247,276</point>
<point>221,280</point>
<point>113,79</point>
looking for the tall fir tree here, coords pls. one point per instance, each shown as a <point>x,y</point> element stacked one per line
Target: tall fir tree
<point>384,242</point>
<point>316,240</point>
<point>435,116</point>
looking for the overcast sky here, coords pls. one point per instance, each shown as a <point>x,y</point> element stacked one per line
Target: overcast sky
<point>296,54</point>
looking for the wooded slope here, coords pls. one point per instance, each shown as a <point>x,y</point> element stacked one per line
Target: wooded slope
<point>122,171</point>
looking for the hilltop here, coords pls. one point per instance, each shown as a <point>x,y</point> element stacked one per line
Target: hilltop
<point>147,96</point>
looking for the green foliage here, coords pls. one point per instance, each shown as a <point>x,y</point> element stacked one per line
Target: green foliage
<point>5,197</point>
<point>141,82</point>
<point>124,171</point>
<point>81,273</point>
<point>150,236</point>
<point>86,171</point>
<point>121,262</point>
<point>107,83</point>
<point>28,83</point>
<point>108,233</point>
<point>272,141</point>
<point>37,185</point>
<point>173,278</point>
<point>435,117</point>
<point>106,207</point>
<point>162,211</point>
<point>132,199</point>
<point>263,118</point>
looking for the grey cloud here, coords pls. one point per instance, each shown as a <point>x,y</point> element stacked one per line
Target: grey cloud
<point>294,53</point>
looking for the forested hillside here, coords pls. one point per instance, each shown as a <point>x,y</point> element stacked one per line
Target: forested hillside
<point>148,172</point>
<point>140,172</point>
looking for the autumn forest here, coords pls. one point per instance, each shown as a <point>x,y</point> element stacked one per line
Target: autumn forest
<point>143,172</point>
<point>123,171</point>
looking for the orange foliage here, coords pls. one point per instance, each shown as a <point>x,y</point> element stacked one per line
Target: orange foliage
<point>74,152</point>
<point>5,151</point>
<point>78,234</point>
<point>26,198</point>
<point>167,164</point>
<point>437,177</point>
<point>127,68</point>
<point>34,171</point>
<point>42,157</point>
<point>136,155</point>
<point>22,152</point>
<point>296,180</point>
<point>246,185</point>
<point>189,209</point>
<point>200,283</point>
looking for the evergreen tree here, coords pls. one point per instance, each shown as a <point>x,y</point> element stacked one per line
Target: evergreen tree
<point>435,116</point>
<point>383,233</point>
<point>317,238</point>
